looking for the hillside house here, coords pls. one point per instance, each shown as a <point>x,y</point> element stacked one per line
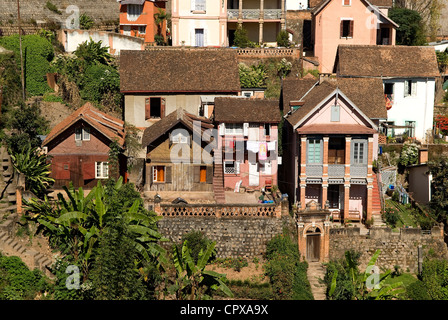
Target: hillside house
<point>137,18</point>
<point>247,142</point>
<point>175,159</point>
<point>332,140</point>
<point>408,74</point>
<point>351,22</point>
<point>79,147</point>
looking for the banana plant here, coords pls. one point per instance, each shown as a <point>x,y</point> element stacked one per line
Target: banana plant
<point>31,164</point>
<point>362,291</point>
<point>192,280</point>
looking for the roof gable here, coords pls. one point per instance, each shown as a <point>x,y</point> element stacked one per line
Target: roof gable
<point>348,110</point>
<point>179,70</point>
<point>365,94</point>
<point>167,123</point>
<point>110,127</point>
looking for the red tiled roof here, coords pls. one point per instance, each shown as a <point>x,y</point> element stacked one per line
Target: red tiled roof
<point>335,128</point>
<point>110,127</point>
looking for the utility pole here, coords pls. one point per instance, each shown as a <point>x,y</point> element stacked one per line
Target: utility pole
<point>20,47</point>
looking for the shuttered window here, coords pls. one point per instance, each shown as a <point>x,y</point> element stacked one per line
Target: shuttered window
<point>314,151</point>
<point>101,170</point>
<point>155,108</point>
<point>347,27</point>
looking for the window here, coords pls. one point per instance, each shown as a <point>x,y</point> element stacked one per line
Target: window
<point>266,167</point>
<point>346,2</point>
<point>336,151</point>
<point>198,5</point>
<point>142,29</point>
<point>411,130</point>
<point>82,134</point>
<point>134,11</point>
<point>314,151</point>
<point>158,173</point>
<point>335,113</point>
<point>154,108</point>
<point>389,90</point>
<point>234,128</point>
<point>410,88</point>
<point>203,174</point>
<point>347,28</point>
<point>231,167</point>
<point>267,129</point>
<point>247,94</point>
<point>179,137</point>
<point>102,170</point>
<point>199,37</point>
<point>359,152</point>
<point>127,30</point>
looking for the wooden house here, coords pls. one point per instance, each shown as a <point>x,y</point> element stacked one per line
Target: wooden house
<point>79,147</point>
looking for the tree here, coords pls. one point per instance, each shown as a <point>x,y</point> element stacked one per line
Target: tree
<point>91,52</point>
<point>438,168</point>
<point>26,123</point>
<point>411,31</point>
<point>114,276</point>
<point>76,225</point>
<point>159,18</point>
<point>192,281</point>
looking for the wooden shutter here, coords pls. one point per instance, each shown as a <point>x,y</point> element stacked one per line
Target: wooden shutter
<point>197,174</point>
<point>62,171</point>
<point>209,178</point>
<point>147,108</point>
<point>168,174</point>
<point>88,170</point>
<point>162,107</point>
<point>350,33</point>
<point>150,174</point>
<point>342,29</point>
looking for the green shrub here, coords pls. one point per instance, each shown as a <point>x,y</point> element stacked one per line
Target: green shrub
<point>98,80</point>
<point>241,39</point>
<point>253,76</point>
<point>50,6</point>
<point>283,39</point>
<point>288,276</point>
<point>86,22</point>
<point>417,291</point>
<point>17,282</point>
<point>392,216</point>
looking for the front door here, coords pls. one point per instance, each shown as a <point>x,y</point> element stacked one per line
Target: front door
<point>313,247</point>
<point>254,179</point>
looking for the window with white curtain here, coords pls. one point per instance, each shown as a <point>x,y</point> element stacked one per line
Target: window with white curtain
<point>134,11</point>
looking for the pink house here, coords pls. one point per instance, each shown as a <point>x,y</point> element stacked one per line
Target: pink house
<point>247,142</point>
<point>333,139</point>
<point>357,22</point>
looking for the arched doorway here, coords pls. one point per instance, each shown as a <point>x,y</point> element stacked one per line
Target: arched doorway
<point>313,235</point>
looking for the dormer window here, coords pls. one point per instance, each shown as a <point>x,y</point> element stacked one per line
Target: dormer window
<point>179,137</point>
<point>82,134</point>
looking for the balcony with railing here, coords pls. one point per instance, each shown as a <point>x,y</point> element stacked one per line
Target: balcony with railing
<point>254,14</point>
<point>336,170</point>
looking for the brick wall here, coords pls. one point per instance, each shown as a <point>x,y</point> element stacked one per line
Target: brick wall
<point>396,248</point>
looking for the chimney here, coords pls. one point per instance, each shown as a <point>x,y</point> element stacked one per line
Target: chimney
<point>422,156</point>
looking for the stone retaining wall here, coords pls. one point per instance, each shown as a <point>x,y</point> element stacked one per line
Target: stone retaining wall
<point>397,249</point>
<point>235,237</point>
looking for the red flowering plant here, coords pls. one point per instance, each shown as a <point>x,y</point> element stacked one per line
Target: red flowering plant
<point>442,124</point>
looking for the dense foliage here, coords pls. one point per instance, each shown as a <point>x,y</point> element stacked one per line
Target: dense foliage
<point>411,31</point>
<point>283,39</point>
<point>287,274</point>
<point>38,52</point>
<point>241,39</point>
<point>253,76</point>
<point>17,282</point>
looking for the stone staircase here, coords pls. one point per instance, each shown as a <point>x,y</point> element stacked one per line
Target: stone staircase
<point>218,180</point>
<point>9,244</point>
<point>376,204</point>
<point>315,272</point>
